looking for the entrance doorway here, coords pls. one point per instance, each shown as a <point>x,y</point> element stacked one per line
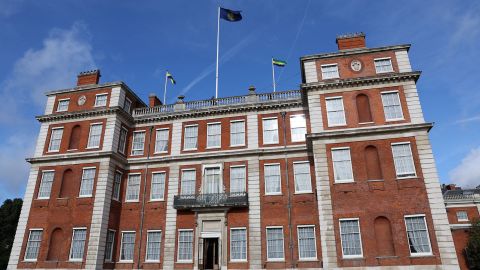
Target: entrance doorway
<point>210,253</point>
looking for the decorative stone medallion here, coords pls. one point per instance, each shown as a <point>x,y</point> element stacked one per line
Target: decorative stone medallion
<point>356,65</point>
<point>81,100</point>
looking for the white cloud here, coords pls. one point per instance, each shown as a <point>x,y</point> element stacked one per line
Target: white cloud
<point>467,173</point>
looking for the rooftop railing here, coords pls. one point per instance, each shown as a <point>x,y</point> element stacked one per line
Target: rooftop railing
<point>233,199</point>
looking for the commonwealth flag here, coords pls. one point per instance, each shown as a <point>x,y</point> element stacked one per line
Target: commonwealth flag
<point>278,63</point>
<point>170,77</point>
<point>230,15</point>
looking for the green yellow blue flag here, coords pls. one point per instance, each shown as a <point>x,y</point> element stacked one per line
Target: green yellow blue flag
<point>278,63</point>
<point>170,77</point>
<point>230,15</point>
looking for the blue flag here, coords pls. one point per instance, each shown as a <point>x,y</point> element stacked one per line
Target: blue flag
<point>230,15</point>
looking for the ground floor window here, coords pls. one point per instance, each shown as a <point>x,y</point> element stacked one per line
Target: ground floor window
<point>238,244</point>
<point>275,244</point>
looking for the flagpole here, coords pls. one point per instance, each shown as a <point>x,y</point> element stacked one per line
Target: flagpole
<point>273,76</point>
<point>218,45</point>
<point>165,91</point>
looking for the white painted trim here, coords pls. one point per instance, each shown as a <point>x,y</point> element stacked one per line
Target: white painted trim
<point>265,182</point>
<point>220,142</point>
<point>58,103</point>
<point>246,245</point>
<point>463,219</point>
<point>230,176</point>
<point>71,244</point>
<point>50,140</point>
<point>113,244</point>
<point>290,122</point>
<point>329,65</point>
<point>314,240</point>
<point>359,233</point>
<point>283,244</point>
<point>146,247</point>
<point>295,177</point>
<point>333,166</point>
<point>343,109</point>
<point>156,139</point>
<point>126,189</point>
<point>181,179</point>
<point>244,132</point>
<point>400,104</point>
<point>420,254</point>
<point>411,159</point>
<point>121,247</point>
<point>164,184</point>
<point>178,245</point>
<point>143,148</point>
<point>263,131</point>
<point>383,58</point>
<point>106,100</point>
<point>185,138</point>
<point>26,245</point>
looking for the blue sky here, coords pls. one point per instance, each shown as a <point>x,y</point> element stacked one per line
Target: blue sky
<point>44,44</point>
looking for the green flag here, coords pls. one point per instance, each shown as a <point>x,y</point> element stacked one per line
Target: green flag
<point>170,77</point>
<point>278,63</point>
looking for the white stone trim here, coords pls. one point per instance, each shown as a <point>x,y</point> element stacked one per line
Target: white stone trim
<point>403,61</point>
<point>171,219</point>
<point>254,214</point>
<point>413,103</point>
<point>115,97</point>
<point>50,104</point>
<point>41,140</point>
<point>315,112</point>
<point>311,75</point>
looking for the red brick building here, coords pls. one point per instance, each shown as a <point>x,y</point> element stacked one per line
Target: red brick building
<point>337,174</point>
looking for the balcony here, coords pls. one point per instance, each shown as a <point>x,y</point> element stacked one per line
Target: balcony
<point>214,200</point>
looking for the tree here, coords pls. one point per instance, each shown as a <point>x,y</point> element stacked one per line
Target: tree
<point>9,214</point>
<point>472,251</point>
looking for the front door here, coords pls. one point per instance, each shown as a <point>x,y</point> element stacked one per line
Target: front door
<point>210,253</point>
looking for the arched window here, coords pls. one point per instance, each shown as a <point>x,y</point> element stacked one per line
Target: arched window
<point>383,237</point>
<point>68,185</point>
<point>75,137</point>
<point>57,246</point>
<point>372,162</point>
<point>363,108</point>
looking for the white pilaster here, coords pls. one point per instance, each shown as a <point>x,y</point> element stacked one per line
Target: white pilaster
<point>252,131</point>
<point>50,103</point>
<point>413,103</point>
<point>41,140</point>
<point>311,75</point>
<point>315,112</point>
<point>171,218</point>
<point>176,138</point>
<point>403,61</point>
<point>115,97</point>
<point>254,216</point>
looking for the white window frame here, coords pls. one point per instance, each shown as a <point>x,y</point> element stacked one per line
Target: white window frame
<point>50,142</point>
<point>246,244</point>
<point>116,195</point>
<point>359,234</point>
<point>125,102</point>
<point>156,139</point>
<point>40,185</point>
<point>139,186</point>
<point>343,109</point>
<point>212,166</point>
<point>219,135</point>
<point>90,133</point>
<point>245,179</point>
<point>178,246</point>
<point>244,125</point>
<point>351,166</point>
<point>164,184</point>
<point>295,177</point>
<point>84,244</point>
<point>283,243</point>
<point>146,247</point>
<point>121,246</point>
<point>399,101</point>
<point>93,184</point>
<point>265,182</point>
<point>329,65</point>
<point>58,104</point>
<point>96,99</point>
<point>380,59</point>
<point>420,254</point>
<point>185,138</point>
<point>195,182</point>
<point>291,126</point>
<point>122,145</point>
<point>314,240</point>
<point>460,218</point>
<point>110,259</point>
<point>263,131</point>
<point>412,160</point>
<point>28,245</point>
<point>143,145</point>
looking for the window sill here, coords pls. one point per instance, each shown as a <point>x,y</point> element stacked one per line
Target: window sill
<point>408,178</point>
<point>43,198</point>
<point>71,150</point>
<point>270,143</point>
<point>125,261</point>
<point>84,197</point>
<point>238,261</point>
<point>353,258</point>
<point>273,194</point>
<point>137,155</point>
<point>384,72</point>
<point>238,145</point>
<point>75,261</point>
<point>345,182</point>
<point>151,262</point>
<point>157,200</point>
<point>275,260</point>
<point>93,147</point>
<point>98,106</point>
<point>132,201</point>
<point>212,147</point>
<point>428,255</point>
<point>303,192</point>
<point>190,149</point>
<point>394,120</point>
<point>161,152</point>
<point>335,126</point>
<point>308,260</point>
<point>29,260</point>
<point>186,262</point>
<point>366,123</point>
<point>52,151</point>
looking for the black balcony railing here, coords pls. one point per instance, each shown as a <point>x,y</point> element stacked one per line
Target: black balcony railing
<point>233,199</point>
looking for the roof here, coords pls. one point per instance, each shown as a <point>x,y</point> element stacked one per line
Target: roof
<point>355,51</point>
<point>459,194</point>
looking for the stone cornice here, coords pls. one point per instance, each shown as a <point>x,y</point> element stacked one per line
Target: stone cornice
<point>363,81</point>
<point>83,114</point>
<point>355,51</point>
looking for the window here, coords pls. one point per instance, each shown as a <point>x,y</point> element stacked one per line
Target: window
<point>154,240</point>
<point>403,159</point>
<point>350,238</point>
<point>122,140</point>
<point>133,187</point>
<point>212,180</point>
<point>238,244</point>
<point>117,182</point>
<point>109,245</point>
<point>101,100</point>
<point>275,244</point>
<point>161,140</point>
<point>270,130</point>
<point>237,179</point>
<point>187,185</point>
<point>185,245</point>
<point>33,244</point>
<point>335,111</point>
<point>307,246</point>
<point>272,179</point>
<point>237,133</point>
<point>94,136</point>
<point>462,216</point>
<point>55,139</point>
<point>391,106</point>
<point>190,139</point>
<point>158,186</point>
<point>127,104</point>
<point>45,185</point>
<point>329,71</point>
<point>298,128</point>
<point>63,105</point>
<point>417,235</point>
<point>301,174</point>
<point>78,244</point>
<point>86,185</point>
<point>138,143</point>
<point>342,165</point>
<point>127,247</point>
<point>214,135</point>
<point>383,65</point>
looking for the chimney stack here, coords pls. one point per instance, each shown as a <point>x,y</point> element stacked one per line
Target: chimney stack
<point>153,100</point>
<point>351,41</point>
<point>88,77</point>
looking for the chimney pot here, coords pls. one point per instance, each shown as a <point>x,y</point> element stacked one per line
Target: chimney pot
<point>351,41</point>
<point>88,77</point>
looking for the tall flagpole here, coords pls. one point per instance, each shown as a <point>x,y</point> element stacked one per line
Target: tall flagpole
<point>165,91</point>
<point>273,76</point>
<point>218,45</point>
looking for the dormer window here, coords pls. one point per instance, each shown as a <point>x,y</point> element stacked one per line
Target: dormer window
<point>330,71</point>
<point>101,100</point>
<point>383,65</point>
<point>63,105</point>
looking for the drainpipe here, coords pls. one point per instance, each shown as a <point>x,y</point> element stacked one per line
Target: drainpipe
<point>289,194</point>
<point>142,212</point>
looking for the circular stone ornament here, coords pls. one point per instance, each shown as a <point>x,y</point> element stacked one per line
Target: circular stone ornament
<point>356,65</point>
<point>81,100</point>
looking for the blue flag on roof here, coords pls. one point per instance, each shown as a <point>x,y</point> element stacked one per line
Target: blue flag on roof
<point>230,15</point>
